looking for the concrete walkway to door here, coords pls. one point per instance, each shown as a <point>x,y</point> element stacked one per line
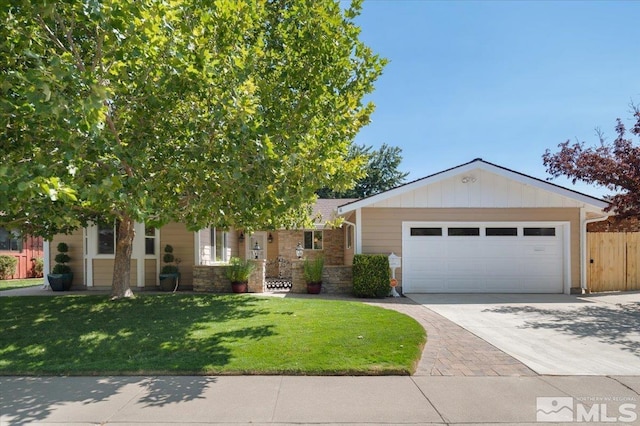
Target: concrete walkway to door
<point>552,334</point>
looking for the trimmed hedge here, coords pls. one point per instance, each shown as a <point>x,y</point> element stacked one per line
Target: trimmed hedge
<point>371,275</point>
<point>7,267</point>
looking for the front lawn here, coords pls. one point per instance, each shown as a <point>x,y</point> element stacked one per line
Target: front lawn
<point>204,334</point>
<point>11,284</point>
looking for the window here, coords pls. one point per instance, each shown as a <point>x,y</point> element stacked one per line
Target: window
<point>219,238</point>
<point>10,240</point>
<point>106,238</point>
<point>313,240</point>
<point>349,242</point>
<point>463,232</point>
<point>501,232</point>
<point>149,240</point>
<point>431,232</point>
<point>539,232</point>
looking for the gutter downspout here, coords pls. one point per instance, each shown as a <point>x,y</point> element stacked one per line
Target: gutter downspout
<point>583,248</point>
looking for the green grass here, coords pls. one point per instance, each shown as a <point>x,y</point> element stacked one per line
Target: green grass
<point>204,334</point>
<point>11,284</point>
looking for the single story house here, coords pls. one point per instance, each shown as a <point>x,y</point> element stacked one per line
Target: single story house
<point>92,249</point>
<point>477,227</point>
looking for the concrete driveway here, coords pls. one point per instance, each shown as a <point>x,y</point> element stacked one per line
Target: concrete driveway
<point>552,334</point>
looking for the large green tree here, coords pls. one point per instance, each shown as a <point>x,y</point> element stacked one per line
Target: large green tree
<point>381,172</point>
<point>223,113</point>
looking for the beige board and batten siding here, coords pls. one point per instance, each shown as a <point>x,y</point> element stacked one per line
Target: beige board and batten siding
<point>103,273</point>
<point>382,227</point>
<point>183,243</point>
<point>76,253</point>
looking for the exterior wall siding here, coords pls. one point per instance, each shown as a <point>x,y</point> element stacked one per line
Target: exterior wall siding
<point>103,273</point>
<point>382,227</point>
<point>483,189</point>
<point>150,273</point>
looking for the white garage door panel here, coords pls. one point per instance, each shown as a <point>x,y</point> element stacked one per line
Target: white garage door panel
<point>485,264</point>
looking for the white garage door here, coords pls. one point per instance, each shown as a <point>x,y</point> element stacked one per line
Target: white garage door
<point>488,257</point>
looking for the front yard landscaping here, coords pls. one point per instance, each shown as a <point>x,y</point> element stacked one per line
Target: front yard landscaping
<point>204,334</point>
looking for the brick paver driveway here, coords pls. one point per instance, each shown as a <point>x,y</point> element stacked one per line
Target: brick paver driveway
<point>552,334</point>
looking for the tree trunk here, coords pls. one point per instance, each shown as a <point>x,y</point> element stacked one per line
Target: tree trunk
<point>121,285</point>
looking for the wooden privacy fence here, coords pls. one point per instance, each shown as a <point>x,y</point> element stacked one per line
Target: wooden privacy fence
<point>614,261</point>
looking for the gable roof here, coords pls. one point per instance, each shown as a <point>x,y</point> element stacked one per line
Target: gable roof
<point>474,165</point>
<point>325,209</point>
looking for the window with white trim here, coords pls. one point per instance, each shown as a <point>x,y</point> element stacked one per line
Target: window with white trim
<point>106,238</point>
<point>313,240</point>
<point>149,240</point>
<point>214,246</point>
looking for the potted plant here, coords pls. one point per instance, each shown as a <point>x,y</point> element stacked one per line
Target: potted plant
<point>61,277</point>
<point>313,274</point>
<point>170,274</point>
<point>238,272</point>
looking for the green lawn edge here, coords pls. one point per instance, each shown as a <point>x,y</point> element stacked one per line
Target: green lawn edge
<point>177,334</point>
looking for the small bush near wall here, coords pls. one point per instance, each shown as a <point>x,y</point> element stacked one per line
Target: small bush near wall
<point>371,275</point>
<point>7,266</point>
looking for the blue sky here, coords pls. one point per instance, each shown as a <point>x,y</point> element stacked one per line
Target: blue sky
<point>499,80</point>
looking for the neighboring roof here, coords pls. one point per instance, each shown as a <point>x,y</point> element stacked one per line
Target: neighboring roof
<point>475,164</point>
<point>325,209</point>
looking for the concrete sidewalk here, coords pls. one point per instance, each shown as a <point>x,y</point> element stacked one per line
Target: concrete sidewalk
<point>269,400</point>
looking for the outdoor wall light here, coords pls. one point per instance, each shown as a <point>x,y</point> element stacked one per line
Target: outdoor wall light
<point>241,236</point>
<point>256,250</point>
<point>299,251</point>
<point>270,238</point>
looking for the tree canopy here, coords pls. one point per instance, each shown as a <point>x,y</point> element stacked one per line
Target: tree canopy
<point>220,113</point>
<point>380,172</point>
<point>615,166</point>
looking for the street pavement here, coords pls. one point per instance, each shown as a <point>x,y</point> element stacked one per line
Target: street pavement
<point>286,400</point>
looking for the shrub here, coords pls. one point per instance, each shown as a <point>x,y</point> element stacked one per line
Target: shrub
<point>239,270</point>
<point>38,267</point>
<point>62,258</point>
<point>7,267</point>
<point>313,270</point>
<point>371,275</point>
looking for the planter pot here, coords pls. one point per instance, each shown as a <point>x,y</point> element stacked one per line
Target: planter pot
<point>314,288</point>
<point>240,287</point>
<point>168,281</point>
<point>60,282</point>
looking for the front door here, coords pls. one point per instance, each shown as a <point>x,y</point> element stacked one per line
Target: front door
<point>259,251</point>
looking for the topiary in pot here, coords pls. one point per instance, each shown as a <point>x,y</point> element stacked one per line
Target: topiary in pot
<point>170,274</point>
<point>61,277</point>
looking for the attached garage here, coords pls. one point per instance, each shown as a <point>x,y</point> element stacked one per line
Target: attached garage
<point>484,257</point>
<point>479,228</point>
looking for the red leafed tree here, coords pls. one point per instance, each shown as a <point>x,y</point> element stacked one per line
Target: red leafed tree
<point>615,166</point>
